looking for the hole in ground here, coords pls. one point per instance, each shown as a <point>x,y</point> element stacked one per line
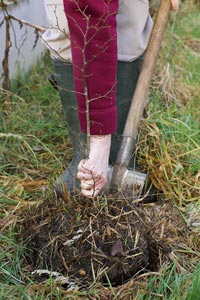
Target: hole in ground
<point>105,242</point>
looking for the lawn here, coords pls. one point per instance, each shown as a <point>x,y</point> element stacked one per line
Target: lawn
<point>35,149</point>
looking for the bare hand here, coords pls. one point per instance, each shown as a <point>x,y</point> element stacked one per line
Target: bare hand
<point>92,172</point>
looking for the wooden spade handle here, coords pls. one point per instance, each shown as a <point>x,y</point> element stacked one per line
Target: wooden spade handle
<point>140,95</point>
<point>138,102</point>
<point>130,132</point>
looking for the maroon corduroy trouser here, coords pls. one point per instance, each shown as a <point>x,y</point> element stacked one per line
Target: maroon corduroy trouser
<point>92,26</point>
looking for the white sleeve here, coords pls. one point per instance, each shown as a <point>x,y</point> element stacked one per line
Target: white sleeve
<point>134,26</point>
<point>56,37</point>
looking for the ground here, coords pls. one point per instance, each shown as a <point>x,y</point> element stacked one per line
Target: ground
<point>103,240</point>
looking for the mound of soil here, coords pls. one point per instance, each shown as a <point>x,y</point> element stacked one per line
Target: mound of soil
<point>90,241</point>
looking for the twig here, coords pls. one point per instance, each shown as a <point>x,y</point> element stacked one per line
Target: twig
<point>5,83</point>
<point>39,28</point>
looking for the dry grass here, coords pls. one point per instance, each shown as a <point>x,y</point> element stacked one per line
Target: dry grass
<point>169,144</point>
<point>168,165</point>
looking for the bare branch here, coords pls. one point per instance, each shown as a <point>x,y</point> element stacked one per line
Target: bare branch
<point>39,28</point>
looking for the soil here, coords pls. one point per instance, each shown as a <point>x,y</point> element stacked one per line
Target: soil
<point>106,241</point>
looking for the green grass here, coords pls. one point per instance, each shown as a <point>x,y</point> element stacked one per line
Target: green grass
<point>172,285</point>
<point>34,148</point>
<point>10,257</point>
<point>33,136</point>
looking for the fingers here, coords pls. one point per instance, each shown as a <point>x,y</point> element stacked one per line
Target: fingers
<point>92,172</point>
<point>92,184</point>
<point>82,167</point>
<point>87,172</point>
<point>175,5</point>
<point>90,193</point>
<point>84,175</point>
<point>90,181</point>
<point>91,189</point>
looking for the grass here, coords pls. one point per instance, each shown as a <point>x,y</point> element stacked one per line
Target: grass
<point>173,286</point>
<point>170,136</point>
<point>34,149</point>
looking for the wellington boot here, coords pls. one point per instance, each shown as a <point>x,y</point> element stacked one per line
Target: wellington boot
<point>63,81</point>
<point>127,77</point>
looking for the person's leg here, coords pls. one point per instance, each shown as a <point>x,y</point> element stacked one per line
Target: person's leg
<point>127,76</point>
<point>56,38</point>
<point>63,75</point>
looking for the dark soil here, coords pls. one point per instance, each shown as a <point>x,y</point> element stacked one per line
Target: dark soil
<point>90,241</point>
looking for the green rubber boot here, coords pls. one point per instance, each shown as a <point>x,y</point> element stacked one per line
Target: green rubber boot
<point>127,76</point>
<point>62,80</point>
